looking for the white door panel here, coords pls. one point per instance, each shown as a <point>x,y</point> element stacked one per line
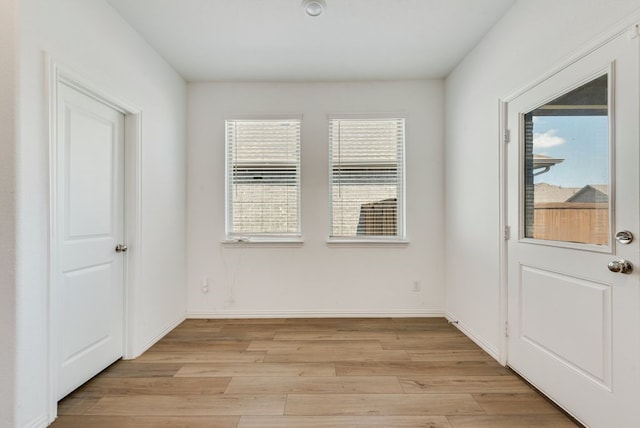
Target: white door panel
<point>89,165</point>
<point>90,220</point>
<point>568,319</point>
<point>572,182</point>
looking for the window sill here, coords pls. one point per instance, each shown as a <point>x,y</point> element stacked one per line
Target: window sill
<point>263,242</point>
<point>335,242</point>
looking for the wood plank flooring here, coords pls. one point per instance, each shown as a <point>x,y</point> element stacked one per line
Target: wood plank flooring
<point>320,373</point>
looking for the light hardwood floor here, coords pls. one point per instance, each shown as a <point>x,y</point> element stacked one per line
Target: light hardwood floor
<point>416,372</point>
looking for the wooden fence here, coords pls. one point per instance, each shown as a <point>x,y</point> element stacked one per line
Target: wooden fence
<point>572,222</point>
<point>378,218</point>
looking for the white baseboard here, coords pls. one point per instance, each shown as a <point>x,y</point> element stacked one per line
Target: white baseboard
<point>479,340</point>
<point>397,313</point>
<point>162,333</point>
<point>41,422</point>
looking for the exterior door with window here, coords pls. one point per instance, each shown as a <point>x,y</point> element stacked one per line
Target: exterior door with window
<point>573,184</point>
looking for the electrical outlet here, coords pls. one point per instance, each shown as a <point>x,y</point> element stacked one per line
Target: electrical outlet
<point>204,285</point>
<point>416,285</point>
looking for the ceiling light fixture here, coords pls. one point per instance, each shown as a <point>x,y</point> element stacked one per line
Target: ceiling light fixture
<point>314,7</point>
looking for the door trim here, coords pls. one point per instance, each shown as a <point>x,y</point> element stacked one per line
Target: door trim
<point>56,75</point>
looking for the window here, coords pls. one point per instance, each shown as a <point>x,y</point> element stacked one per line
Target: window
<point>263,178</point>
<point>367,178</point>
<point>566,166</point>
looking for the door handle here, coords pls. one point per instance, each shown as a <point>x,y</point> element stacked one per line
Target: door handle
<point>622,266</point>
<point>121,248</point>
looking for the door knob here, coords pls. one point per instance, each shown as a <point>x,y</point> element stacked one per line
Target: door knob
<point>121,248</point>
<point>622,266</point>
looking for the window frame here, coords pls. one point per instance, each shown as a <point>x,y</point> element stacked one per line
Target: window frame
<point>278,239</point>
<point>400,238</point>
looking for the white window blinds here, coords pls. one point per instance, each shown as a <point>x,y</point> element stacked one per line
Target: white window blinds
<point>367,177</point>
<point>263,177</point>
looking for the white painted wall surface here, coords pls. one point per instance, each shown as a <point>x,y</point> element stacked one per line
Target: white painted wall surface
<point>532,39</point>
<point>315,279</point>
<point>90,39</point>
<point>8,93</point>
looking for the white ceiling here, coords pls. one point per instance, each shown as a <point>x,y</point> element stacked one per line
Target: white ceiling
<point>273,40</point>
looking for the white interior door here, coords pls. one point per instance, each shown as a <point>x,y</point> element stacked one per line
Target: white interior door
<point>573,183</point>
<point>90,223</point>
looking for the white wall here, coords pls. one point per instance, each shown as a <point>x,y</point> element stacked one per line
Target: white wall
<point>315,279</point>
<point>532,38</point>
<point>8,93</point>
<point>90,39</point>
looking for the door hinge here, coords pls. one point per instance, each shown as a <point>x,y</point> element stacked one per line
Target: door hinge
<point>507,233</point>
<point>507,136</point>
<point>506,329</point>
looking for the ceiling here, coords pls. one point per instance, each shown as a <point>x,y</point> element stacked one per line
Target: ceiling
<point>274,40</point>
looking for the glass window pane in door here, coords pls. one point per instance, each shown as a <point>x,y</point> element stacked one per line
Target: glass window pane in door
<point>566,167</point>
